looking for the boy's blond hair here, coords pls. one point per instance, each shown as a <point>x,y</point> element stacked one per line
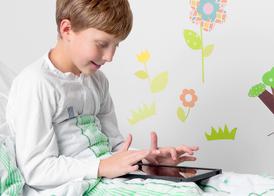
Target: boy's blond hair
<point>111,16</point>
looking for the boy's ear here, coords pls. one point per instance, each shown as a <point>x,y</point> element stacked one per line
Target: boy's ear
<point>65,29</point>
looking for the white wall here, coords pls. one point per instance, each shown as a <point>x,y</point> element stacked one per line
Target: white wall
<point>243,52</point>
<point>27,31</point>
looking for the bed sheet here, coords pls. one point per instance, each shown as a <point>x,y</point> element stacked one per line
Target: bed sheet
<point>228,183</point>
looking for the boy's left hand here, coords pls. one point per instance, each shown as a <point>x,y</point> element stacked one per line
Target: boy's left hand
<point>169,155</point>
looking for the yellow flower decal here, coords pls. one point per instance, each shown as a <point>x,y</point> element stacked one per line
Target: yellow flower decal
<point>143,57</point>
<point>156,83</point>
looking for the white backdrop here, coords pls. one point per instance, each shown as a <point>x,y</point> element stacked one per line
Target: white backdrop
<point>243,52</point>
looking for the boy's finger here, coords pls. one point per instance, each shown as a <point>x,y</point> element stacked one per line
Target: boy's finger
<point>138,156</point>
<point>127,143</point>
<point>173,153</point>
<point>169,151</point>
<point>133,168</point>
<point>152,160</point>
<point>185,149</point>
<point>187,158</point>
<point>194,148</point>
<point>154,141</point>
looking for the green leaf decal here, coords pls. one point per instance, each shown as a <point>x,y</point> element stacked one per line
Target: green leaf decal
<point>181,114</point>
<point>208,50</point>
<point>192,39</point>
<point>268,78</point>
<point>256,90</point>
<point>159,83</point>
<point>141,74</point>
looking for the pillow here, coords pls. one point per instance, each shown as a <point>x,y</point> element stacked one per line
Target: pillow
<point>6,77</point>
<point>3,103</point>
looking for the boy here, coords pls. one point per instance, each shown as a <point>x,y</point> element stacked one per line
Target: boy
<point>60,110</point>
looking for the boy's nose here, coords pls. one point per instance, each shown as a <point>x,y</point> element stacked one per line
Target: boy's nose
<point>108,55</point>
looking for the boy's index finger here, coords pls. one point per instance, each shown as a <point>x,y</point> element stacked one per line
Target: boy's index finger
<point>126,144</point>
<point>154,141</point>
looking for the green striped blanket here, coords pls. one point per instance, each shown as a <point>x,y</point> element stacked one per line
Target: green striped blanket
<point>229,183</point>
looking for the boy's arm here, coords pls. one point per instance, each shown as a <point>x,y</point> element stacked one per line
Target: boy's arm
<point>31,107</point>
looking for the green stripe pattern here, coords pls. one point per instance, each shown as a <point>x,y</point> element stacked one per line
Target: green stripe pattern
<point>11,180</point>
<point>149,187</point>
<point>98,142</point>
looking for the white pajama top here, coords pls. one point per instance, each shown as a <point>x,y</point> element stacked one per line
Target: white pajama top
<point>62,123</point>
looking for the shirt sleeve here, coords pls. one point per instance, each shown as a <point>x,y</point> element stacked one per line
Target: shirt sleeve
<point>108,118</point>
<point>30,110</point>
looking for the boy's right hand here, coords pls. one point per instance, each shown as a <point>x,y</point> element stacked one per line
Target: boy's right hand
<point>122,162</point>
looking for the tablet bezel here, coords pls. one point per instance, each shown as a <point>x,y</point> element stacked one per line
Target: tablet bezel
<point>197,178</point>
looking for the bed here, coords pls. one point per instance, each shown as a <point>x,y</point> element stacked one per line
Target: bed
<point>12,181</point>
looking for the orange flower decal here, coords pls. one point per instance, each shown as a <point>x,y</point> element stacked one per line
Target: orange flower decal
<point>188,98</point>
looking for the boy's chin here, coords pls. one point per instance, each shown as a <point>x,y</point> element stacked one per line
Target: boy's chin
<point>88,73</point>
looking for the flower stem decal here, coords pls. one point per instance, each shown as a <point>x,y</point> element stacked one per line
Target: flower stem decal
<point>188,98</point>
<point>156,84</point>
<point>205,13</point>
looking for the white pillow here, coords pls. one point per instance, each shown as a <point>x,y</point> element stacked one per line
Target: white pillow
<point>3,103</point>
<point>6,77</point>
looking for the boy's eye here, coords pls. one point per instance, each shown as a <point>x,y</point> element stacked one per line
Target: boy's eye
<point>102,45</point>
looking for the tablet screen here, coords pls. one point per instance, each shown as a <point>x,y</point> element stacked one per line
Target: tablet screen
<point>175,173</point>
<point>170,171</point>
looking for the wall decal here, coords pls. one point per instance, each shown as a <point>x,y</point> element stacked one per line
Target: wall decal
<point>222,134</point>
<point>260,90</point>
<point>157,84</point>
<point>205,13</point>
<point>188,98</point>
<point>142,113</point>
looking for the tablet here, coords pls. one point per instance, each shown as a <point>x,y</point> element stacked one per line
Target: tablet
<point>173,173</point>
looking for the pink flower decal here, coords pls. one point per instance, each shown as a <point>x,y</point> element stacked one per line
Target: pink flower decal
<point>204,13</point>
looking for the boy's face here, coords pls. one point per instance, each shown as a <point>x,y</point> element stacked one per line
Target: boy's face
<point>89,49</point>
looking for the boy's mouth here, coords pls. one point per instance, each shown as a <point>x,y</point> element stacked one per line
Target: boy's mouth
<point>96,65</point>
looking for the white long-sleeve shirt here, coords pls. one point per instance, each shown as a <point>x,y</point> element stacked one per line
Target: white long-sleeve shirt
<point>45,110</point>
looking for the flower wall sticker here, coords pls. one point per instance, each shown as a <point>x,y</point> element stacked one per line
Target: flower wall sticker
<point>221,134</point>
<point>260,90</point>
<point>205,13</point>
<point>188,98</point>
<point>156,84</point>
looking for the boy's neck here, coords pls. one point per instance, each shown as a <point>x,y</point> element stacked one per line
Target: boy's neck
<point>61,60</point>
